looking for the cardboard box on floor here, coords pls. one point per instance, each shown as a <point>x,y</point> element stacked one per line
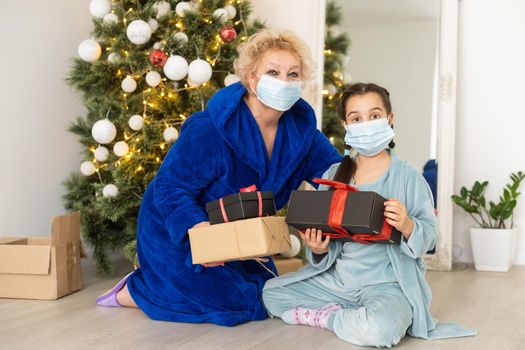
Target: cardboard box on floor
<point>285,265</point>
<point>242,239</point>
<point>42,267</point>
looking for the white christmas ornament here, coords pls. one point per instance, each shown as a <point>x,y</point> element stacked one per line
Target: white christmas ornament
<point>113,57</point>
<point>232,11</point>
<point>99,8</point>
<point>181,36</point>
<point>121,148</point>
<point>157,45</point>
<point>103,131</point>
<point>162,8</point>
<point>89,50</point>
<point>101,154</point>
<point>138,32</point>
<point>170,134</point>
<point>153,78</point>
<point>192,83</point>
<point>221,15</point>
<point>87,168</point>
<point>136,122</point>
<point>176,67</point>
<point>153,24</point>
<point>110,18</point>
<point>230,79</point>
<point>128,84</point>
<point>195,6</point>
<point>110,191</point>
<point>182,7</point>
<point>331,89</point>
<point>199,71</point>
<point>294,250</point>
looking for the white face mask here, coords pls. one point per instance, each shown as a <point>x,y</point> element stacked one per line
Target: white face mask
<point>278,94</point>
<point>370,137</point>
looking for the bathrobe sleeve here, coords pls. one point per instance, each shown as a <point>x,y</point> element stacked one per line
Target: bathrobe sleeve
<point>322,262</point>
<point>190,166</point>
<point>420,208</point>
<point>321,156</point>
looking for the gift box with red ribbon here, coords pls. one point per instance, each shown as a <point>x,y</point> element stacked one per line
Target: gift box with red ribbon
<point>344,213</point>
<point>248,203</point>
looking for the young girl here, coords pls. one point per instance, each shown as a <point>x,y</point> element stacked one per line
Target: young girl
<point>368,294</point>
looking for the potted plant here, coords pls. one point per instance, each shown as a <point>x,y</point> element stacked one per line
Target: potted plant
<point>494,241</point>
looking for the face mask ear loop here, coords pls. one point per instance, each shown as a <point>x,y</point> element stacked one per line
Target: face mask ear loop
<point>391,144</point>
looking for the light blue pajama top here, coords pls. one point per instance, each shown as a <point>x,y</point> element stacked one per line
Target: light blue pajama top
<point>359,265</point>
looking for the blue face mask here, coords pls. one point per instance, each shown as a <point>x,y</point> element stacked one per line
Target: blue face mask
<point>278,94</point>
<point>369,138</point>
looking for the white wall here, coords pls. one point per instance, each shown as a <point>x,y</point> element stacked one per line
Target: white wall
<point>307,19</point>
<point>36,151</point>
<point>490,134</point>
<point>401,57</point>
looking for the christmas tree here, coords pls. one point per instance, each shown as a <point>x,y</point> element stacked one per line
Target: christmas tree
<point>336,46</point>
<point>148,66</point>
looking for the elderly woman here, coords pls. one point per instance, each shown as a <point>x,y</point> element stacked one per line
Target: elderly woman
<point>258,131</point>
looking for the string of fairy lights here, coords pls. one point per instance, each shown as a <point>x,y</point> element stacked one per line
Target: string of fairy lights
<point>177,75</point>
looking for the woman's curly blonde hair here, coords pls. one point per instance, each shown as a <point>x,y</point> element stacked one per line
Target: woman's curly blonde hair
<point>252,50</point>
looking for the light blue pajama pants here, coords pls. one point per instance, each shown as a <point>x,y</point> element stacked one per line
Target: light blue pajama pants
<point>377,315</point>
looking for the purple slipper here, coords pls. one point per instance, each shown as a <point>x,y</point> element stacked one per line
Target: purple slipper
<point>110,298</point>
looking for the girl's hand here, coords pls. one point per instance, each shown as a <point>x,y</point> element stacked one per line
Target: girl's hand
<point>396,215</point>
<point>314,239</point>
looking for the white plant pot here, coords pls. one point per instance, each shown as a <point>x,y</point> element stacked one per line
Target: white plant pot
<point>493,249</point>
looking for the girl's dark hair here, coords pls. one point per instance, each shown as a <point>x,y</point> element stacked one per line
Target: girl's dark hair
<point>346,169</point>
<point>359,89</point>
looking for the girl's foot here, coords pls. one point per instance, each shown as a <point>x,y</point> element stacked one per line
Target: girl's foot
<point>311,317</point>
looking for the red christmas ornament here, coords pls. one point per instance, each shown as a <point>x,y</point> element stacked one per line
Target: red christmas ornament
<point>228,34</point>
<point>157,58</point>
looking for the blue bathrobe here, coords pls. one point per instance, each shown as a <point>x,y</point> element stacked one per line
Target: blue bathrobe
<point>219,151</point>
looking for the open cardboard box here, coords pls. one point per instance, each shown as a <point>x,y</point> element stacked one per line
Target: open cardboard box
<point>42,267</point>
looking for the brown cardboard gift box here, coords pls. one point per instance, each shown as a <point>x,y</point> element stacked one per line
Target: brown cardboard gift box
<point>285,265</point>
<point>242,239</point>
<point>42,267</point>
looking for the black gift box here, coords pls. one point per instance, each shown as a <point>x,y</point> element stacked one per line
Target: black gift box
<point>363,214</point>
<point>242,205</point>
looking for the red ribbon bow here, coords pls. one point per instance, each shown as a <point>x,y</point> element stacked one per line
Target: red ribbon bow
<point>252,188</point>
<point>337,209</point>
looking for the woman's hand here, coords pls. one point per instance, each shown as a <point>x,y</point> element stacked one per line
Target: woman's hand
<point>204,224</point>
<point>201,224</point>
<point>396,215</point>
<point>314,239</point>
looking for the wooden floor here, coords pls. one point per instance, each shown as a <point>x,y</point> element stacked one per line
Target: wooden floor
<point>494,303</point>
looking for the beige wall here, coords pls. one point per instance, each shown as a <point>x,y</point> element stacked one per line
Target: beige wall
<point>490,134</point>
<point>36,151</point>
<point>401,56</point>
